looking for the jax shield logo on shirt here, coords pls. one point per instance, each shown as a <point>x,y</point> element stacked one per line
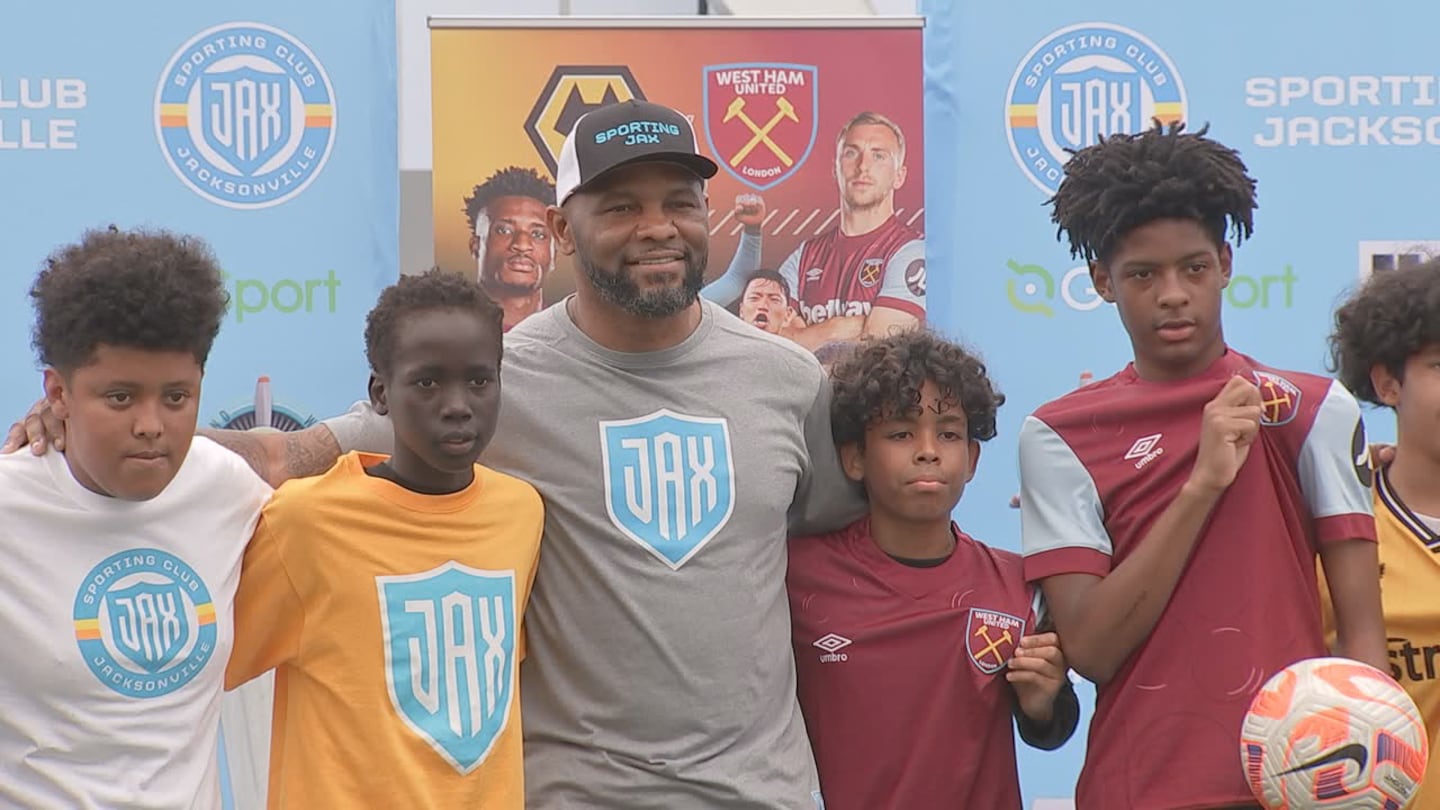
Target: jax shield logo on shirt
<point>144,622</point>
<point>669,481</point>
<point>245,115</point>
<point>761,119</point>
<point>450,657</point>
<point>1081,83</point>
<point>991,638</point>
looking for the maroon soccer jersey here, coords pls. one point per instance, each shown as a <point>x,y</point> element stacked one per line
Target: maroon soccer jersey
<point>1098,467</point>
<point>902,671</point>
<point>835,275</point>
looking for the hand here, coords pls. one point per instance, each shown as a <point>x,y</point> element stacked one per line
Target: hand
<point>1381,455</point>
<point>750,211</point>
<point>1227,429</point>
<point>40,429</point>
<point>1037,673</point>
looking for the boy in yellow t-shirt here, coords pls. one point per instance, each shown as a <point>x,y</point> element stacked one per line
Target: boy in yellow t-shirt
<point>388,592</point>
<point>1386,349</point>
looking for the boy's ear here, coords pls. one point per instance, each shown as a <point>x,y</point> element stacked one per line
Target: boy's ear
<point>974,460</point>
<point>57,393</point>
<point>378,395</point>
<point>852,461</point>
<point>1387,385</point>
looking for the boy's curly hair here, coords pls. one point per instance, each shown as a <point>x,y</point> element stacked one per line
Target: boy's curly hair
<point>142,289</point>
<point>413,296</point>
<point>1392,317</point>
<point>883,377</point>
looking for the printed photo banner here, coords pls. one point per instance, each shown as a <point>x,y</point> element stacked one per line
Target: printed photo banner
<point>817,127</point>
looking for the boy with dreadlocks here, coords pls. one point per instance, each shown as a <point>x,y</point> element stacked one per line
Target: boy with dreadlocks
<point>1173,512</point>
<point>510,239</point>
<point>1386,348</point>
<point>914,643</point>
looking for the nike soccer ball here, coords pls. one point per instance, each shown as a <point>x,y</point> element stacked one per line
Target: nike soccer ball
<point>1333,733</point>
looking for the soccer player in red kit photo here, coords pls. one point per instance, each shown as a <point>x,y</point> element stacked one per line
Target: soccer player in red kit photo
<point>1172,513</point>
<point>865,276</point>
<point>915,643</point>
<point>511,241</point>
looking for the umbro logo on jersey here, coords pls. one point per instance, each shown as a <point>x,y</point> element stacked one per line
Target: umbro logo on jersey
<point>1145,450</point>
<point>832,644</point>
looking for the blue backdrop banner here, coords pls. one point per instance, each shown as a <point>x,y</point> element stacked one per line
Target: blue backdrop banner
<point>268,130</point>
<point>1336,114</point>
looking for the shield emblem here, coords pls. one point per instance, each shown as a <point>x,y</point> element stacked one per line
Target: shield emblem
<point>1279,398</point>
<point>991,638</point>
<point>1088,104</point>
<point>760,119</point>
<point>149,623</point>
<point>450,657</point>
<point>669,481</point>
<point>245,116</point>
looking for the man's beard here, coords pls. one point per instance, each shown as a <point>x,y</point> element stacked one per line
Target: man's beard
<point>619,288</point>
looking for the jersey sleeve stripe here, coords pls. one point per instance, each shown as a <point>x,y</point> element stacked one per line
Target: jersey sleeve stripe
<point>1336,528</point>
<point>1066,561</point>
<point>908,307</point>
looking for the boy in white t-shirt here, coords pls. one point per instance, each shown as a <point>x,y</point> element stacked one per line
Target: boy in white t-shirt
<point>119,558</point>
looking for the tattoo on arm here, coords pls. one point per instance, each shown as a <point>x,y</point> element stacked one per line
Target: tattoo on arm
<point>310,452</point>
<point>243,445</point>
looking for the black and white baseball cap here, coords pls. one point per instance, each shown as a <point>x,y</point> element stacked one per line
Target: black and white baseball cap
<point>620,134</point>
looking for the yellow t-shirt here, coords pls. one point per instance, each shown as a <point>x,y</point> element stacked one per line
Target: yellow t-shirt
<point>1410,598</point>
<point>393,621</point>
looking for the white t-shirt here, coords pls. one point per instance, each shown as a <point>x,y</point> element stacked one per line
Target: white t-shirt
<point>118,626</point>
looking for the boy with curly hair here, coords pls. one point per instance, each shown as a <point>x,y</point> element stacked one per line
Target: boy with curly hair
<point>1386,349</point>
<point>915,643</point>
<point>388,593</point>
<point>119,557</point>
<point>1172,513</point>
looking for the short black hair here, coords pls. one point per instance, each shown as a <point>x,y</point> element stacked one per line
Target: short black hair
<point>1394,315</point>
<point>144,289</point>
<point>1126,181</point>
<point>882,377</point>
<point>512,181</point>
<point>769,275</point>
<point>415,295</point>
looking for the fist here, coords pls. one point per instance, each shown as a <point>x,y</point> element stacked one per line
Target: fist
<point>750,210</point>
<point>1229,426</point>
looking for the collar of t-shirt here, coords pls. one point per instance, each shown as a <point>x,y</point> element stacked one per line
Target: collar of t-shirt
<point>927,562</point>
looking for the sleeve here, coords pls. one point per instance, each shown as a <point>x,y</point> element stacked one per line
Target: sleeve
<point>728,288</point>
<point>1334,470</point>
<point>269,615</point>
<point>361,428</point>
<point>1062,525</point>
<point>521,644</point>
<point>903,286</point>
<point>1062,725</point>
<point>825,499</point>
<point>790,271</point>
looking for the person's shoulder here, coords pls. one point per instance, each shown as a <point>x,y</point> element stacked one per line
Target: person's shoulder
<point>297,496</point>
<point>807,551</point>
<point>503,490</point>
<point>736,338</point>
<point>1082,401</point>
<point>1002,559</point>
<point>23,474</point>
<point>540,330</point>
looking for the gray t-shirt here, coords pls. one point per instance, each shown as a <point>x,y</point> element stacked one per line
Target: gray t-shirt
<point>659,672</point>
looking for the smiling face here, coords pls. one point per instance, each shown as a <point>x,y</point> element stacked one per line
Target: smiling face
<point>640,234</point>
<point>1166,278</point>
<point>129,417</point>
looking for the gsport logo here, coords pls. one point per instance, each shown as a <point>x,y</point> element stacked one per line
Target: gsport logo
<point>1034,290</point>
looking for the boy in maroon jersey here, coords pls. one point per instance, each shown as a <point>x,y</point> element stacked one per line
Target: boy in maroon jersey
<point>910,637</point>
<point>1173,512</point>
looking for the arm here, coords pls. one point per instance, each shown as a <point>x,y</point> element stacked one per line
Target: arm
<point>727,289</point>
<point>1103,616</point>
<point>278,457</point>
<point>813,336</point>
<point>1057,727</point>
<point>825,499</point>
<point>1335,476</point>
<point>269,614</point>
<point>901,303</point>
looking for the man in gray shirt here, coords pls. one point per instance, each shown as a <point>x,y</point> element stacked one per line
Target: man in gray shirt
<point>675,447</point>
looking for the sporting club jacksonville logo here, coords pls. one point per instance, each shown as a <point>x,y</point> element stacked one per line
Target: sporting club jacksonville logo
<point>1082,83</point>
<point>669,481</point>
<point>145,622</point>
<point>245,115</point>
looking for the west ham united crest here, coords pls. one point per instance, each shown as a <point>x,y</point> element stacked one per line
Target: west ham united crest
<point>1279,398</point>
<point>760,119</point>
<point>991,638</point>
<point>450,657</point>
<point>669,481</point>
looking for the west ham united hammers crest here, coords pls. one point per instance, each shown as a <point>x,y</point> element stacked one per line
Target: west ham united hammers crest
<point>1279,398</point>
<point>991,638</point>
<point>760,119</point>
<point>669,481</point>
